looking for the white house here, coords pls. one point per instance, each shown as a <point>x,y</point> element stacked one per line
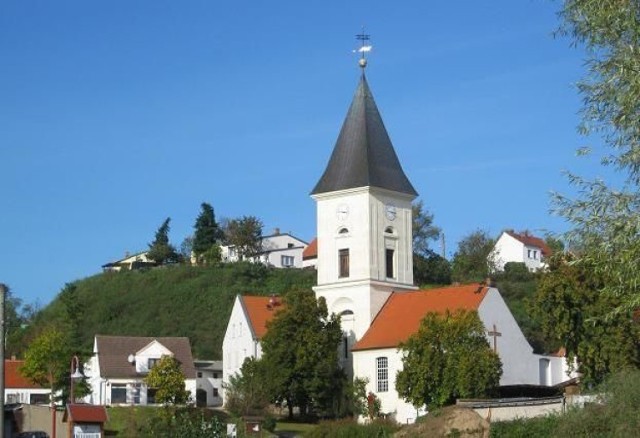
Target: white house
<point>521,248</point>
<point>365,270</point>
<point>129,262</point>
<point>208,382</point>
<point>282,250</point>
<point>19,389</point>
<point>120,363</point>
<point>247,325</point>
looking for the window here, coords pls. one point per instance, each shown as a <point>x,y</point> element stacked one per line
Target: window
<point>199,374</point>
<point>12,398</point>
<point>382,373</point>
<point>39,399</point>
<point>118,394</point>
<point>389,261</point>
<point>535,254</point>
<point>287,261</point>
<point>289,245</point>
<point>388,230</point>
<point>216,375</point>
<point>135,392</point>
<point>343,231</point>
<point>152,362</point>
<point>215,392</point>
<point>343,257</point>
<point>345,342</point>
<point>151,396</point>
<point>529,253</point>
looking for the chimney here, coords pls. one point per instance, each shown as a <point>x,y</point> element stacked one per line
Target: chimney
<point>276,231</point>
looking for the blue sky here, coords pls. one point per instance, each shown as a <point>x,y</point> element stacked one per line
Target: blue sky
<point>117,114</point>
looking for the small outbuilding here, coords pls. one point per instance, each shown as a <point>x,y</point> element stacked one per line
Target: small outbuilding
<point>85,421</point>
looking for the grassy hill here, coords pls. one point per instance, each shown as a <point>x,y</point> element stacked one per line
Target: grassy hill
<point>196,302</point>
<point>171,301</point>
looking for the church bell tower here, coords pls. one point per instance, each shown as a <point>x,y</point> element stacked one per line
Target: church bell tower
<point>364,220</point>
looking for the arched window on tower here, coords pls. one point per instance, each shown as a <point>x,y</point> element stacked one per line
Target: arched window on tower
<point>343,262</point>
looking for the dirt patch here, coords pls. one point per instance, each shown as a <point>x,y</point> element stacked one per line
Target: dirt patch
<point>451,421</point>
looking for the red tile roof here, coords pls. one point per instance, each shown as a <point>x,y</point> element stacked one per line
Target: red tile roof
<point>401,315</point>
<point>531,241</point>
<point>260,310</point>
<point>311,251</point>
<point>13,378</point>
<point>81,413</point>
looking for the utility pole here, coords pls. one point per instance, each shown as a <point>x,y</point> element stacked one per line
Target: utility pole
<point>3,294</point>
<point>443,245</point>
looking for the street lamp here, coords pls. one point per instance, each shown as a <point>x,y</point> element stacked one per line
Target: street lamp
<point>75,375</point>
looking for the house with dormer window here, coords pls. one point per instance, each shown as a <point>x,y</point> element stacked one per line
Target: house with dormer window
<point>119,364</point>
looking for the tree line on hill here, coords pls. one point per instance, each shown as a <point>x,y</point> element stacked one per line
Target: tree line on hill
<point>203,247</point>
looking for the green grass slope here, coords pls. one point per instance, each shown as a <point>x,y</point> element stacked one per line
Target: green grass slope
<point>172,301</point>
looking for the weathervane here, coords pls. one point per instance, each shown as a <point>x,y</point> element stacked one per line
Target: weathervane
<point>364,47</point>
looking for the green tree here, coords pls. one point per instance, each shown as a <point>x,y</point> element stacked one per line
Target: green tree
<point>47,362</point>
<point>301,354</point>
<point>246,392</point>
<point>73,316</point>
<point>245,234</point>
<point>168,380</point>
<point>207,232</point>
<point>572,311</point>
<point>431,268</point>
<point>14,323</point>
<point>472,261</point>
<point>186,249</point>
<point>449,357</point>
<point>160,250</point>
<point>605,217</point>
<point>423,229</point>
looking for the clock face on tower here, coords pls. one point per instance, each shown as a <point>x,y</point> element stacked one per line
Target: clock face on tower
<point>342,212</point>
<point>390,211</point>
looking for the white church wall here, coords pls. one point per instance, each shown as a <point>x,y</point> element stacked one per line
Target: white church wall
<point>346,209</point>
<point>391,210</point>
<point>238,343</point>
<point>519,364</point>
<point>361,298</point>
<point>365,366</point>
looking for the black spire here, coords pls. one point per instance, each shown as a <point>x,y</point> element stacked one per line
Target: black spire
<point>363,155</point>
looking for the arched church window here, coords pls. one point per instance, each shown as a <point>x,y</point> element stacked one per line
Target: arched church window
<point>382,374</point>
<point>343,231</point>
<point>346,312</point>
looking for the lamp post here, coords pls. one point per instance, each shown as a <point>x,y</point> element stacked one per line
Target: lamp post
<point>75,375</point>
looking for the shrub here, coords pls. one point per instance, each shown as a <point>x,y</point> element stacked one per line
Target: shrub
<point>351,429</point>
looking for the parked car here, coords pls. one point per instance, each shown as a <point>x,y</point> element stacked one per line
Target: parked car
<point>33,434</point>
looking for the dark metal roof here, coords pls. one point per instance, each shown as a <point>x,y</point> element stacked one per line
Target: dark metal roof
<point>363,155</point>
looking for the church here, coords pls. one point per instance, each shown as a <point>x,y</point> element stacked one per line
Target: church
<point>365,272</point>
